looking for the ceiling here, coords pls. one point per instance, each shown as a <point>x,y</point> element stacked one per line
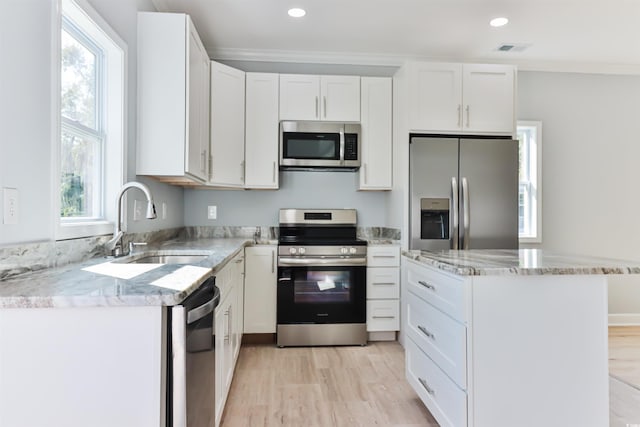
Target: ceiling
<point>579,35</point>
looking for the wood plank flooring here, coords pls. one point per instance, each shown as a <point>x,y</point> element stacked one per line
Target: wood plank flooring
<point>366,386</point>
<point>323,386</point>
<point>624,353</point>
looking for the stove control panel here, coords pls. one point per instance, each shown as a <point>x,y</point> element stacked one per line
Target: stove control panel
<point>315,251</point>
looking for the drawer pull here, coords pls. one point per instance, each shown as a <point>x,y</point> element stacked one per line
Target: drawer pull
<point>383,283</point>
<point>426,386</point>
<point>384,317</point>
<point>383,256</point>
<point>427,285</point>
<point>426,332</point>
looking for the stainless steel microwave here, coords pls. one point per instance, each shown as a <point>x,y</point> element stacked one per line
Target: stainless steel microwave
<point>311,145</point>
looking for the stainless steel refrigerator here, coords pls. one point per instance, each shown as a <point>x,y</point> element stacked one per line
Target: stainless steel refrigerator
<point>464,193</point>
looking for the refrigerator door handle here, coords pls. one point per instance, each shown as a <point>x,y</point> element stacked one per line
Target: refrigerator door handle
<point>465,212</point>
<point>454,213</point>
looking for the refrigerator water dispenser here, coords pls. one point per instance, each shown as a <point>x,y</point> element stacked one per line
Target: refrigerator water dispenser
<point>434,219</point>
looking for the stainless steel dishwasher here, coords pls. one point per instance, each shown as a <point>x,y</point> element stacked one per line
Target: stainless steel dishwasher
<point>191,359</point>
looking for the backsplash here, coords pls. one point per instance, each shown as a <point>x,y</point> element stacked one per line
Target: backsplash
<point>29,257</point>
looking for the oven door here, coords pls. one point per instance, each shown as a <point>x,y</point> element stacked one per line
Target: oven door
<point>321,293</point>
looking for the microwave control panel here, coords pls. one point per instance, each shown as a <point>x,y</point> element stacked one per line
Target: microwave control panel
<point>351,146</point>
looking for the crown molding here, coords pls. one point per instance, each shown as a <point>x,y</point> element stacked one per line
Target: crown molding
<point>389,60</point>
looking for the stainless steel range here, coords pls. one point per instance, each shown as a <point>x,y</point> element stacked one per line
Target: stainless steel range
<point>321,279</point>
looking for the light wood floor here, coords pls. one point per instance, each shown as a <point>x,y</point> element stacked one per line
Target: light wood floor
<point>366,386</point>
<point>624,353</point>
<point>323,386</point>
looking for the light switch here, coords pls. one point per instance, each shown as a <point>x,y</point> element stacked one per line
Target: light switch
<point>11,207</point>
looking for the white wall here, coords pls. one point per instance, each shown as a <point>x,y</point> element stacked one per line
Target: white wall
<point>25,116</point>
<point>590,168</point>
<point>298,189</point>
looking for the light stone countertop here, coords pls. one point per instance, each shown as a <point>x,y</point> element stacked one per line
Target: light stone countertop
<point>74,286</point>
<point>519,262</point>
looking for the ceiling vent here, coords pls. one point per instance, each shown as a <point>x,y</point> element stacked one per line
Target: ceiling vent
<point>513,47</point>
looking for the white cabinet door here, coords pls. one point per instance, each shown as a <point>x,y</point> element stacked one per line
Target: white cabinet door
<point>238,306</point>
<point>435,102</point>
<point>261,130</point>
<point>340,98</point>
<point>221,342</point>
<point>376,148</point>
<point>299,97</point>
<point>310,97</point>
<point>489,100</point>
<point>227,126</point>
<point>173,100</point>
<point>260,290</point>
<point>197,149</point>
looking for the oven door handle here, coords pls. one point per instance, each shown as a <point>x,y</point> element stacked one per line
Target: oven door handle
<point>293,262</point>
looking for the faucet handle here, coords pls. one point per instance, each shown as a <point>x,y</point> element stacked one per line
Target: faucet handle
<point>133,244</point>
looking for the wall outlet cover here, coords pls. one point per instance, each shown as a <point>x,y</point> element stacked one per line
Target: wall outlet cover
<point>138,207</point>
<point>212,212</point>
<point>11,206</point>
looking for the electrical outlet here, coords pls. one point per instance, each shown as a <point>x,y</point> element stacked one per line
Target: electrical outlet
<point>164,210</point>
<point>138,207</point>
<point>212,212</point>
<point>10,206</point>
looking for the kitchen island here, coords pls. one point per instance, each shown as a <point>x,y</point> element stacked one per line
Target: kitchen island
<point>508,337</point>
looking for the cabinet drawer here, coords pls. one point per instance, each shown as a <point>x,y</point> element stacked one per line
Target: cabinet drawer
<point>383,256</point>
<point>446,402</point>
<point>447,293</point>
<point>443,339</point>
<point>383,282</point>
<point>383,315</point>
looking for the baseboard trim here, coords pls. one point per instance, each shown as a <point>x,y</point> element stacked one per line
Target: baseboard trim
<point>624,319</point>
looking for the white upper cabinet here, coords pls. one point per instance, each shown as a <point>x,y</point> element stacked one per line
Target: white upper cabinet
<point>462,98</point>
<point>227,126</point>
<point>261,130</point>
<point>376,134</point>
<point>330,98</point>
<point>173,101</point>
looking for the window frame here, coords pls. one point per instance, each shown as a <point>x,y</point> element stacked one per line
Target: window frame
<point>534,183</point>
<point>96,30</point>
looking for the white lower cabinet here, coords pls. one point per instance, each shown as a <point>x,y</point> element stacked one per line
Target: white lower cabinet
<point>260,290</point>
<point>228,318</point>
<point>506,350</point>
<point>383,291</point>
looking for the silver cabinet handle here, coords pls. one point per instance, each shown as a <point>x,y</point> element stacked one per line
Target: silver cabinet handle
<point>426,386</point>
<point>426,332</point>
<point>454,219</point>
<point>273,261</point>
<point>384,317</point>
<point>467,110</point>
<point>211,167</point>
<point>383,256</point>
<point>466,219</point>
<point>242,171</point>
<point>383,283</point>
<point>273,179</point>
<point>324,101</point>
<point>459,115</point>
<point>364,166</point>
<point>203,161</point>
<point>317,116</point>
<point>427,285</point>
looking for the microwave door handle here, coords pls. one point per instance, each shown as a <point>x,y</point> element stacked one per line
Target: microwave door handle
<point>454,213</point>
<point>342,145</point>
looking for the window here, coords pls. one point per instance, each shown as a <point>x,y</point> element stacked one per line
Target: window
<point>89,130</point>
<point>530,190</point>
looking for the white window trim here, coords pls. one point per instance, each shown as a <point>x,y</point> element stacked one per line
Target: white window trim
<point>538,125</point>
<point>115,110</point>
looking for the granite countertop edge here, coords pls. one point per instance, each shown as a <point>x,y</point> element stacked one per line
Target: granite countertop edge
<point>519,262</point>
<point>72,286</point>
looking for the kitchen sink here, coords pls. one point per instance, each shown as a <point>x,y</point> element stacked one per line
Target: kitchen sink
<point>159,258</point>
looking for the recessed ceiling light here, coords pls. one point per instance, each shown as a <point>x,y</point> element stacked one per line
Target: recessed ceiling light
<point>498,22</point>
<point>296,12</point>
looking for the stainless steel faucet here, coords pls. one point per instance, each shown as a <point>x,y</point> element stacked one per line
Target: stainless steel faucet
<point>115,244</point>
